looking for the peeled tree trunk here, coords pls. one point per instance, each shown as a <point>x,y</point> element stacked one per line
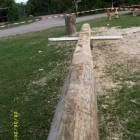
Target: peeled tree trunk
<point>76,114</point>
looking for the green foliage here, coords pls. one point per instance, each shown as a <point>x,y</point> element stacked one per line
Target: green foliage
<point>40,7</point>
<point>13,12</point>
<point>130,2</point>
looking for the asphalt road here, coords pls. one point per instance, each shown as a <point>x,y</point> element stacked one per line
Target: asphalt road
<point>45,24</point>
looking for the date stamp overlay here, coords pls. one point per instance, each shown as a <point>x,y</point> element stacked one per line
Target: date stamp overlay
<point>15,125</point>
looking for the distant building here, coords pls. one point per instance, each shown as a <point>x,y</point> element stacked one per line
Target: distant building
<point>4,15</point>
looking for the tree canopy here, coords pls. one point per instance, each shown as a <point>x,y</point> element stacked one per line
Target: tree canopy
<point>13,13</point>
<point>40,7</point>
<point>43,7</point>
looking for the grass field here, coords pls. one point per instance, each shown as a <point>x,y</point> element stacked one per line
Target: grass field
<point>32,72</point>
<point>124,21</point>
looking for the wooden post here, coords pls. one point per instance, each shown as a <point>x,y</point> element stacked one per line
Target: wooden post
<point>76,114</point>
<point>116,14</point>
<point>108,15</point>
<point>136,13</point>
<point>70,23</point>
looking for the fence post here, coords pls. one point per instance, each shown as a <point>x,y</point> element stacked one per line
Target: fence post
<point>70,24</point>
<point>116,14</point>
<point>76,114</point>
<point>136,13</point>
<point>108,14</point>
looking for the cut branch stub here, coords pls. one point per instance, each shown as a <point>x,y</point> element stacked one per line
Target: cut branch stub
<point>76,114</point>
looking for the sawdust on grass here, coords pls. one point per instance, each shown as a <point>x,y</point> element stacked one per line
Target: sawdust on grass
<point>112,61</point>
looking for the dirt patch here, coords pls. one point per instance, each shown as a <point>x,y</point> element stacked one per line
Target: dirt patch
<point>106,53</point>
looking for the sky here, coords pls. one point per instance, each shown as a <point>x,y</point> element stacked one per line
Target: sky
<point>21,1</point>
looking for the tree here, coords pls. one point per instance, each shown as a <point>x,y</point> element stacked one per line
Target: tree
<point>13,13</point>
<point>40,7</point>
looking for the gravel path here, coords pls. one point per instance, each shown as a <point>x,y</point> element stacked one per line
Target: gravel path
<point>45,24</point>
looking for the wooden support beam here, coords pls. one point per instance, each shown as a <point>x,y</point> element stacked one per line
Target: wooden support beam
<point>92,38</point>
<point>76,114</point>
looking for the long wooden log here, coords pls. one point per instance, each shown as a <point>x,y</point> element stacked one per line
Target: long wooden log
<point>76,114</point>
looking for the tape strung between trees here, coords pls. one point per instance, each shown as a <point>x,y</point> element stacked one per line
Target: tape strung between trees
<point>76,114</point>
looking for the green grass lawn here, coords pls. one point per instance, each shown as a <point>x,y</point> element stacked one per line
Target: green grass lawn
<point>124,21</point>
<point>31,75</point>
<point>32,72</point>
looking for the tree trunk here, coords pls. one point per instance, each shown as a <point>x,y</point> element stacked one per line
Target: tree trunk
<point>76,114</point>
<point>109,15</point>
<point>70,23</point>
